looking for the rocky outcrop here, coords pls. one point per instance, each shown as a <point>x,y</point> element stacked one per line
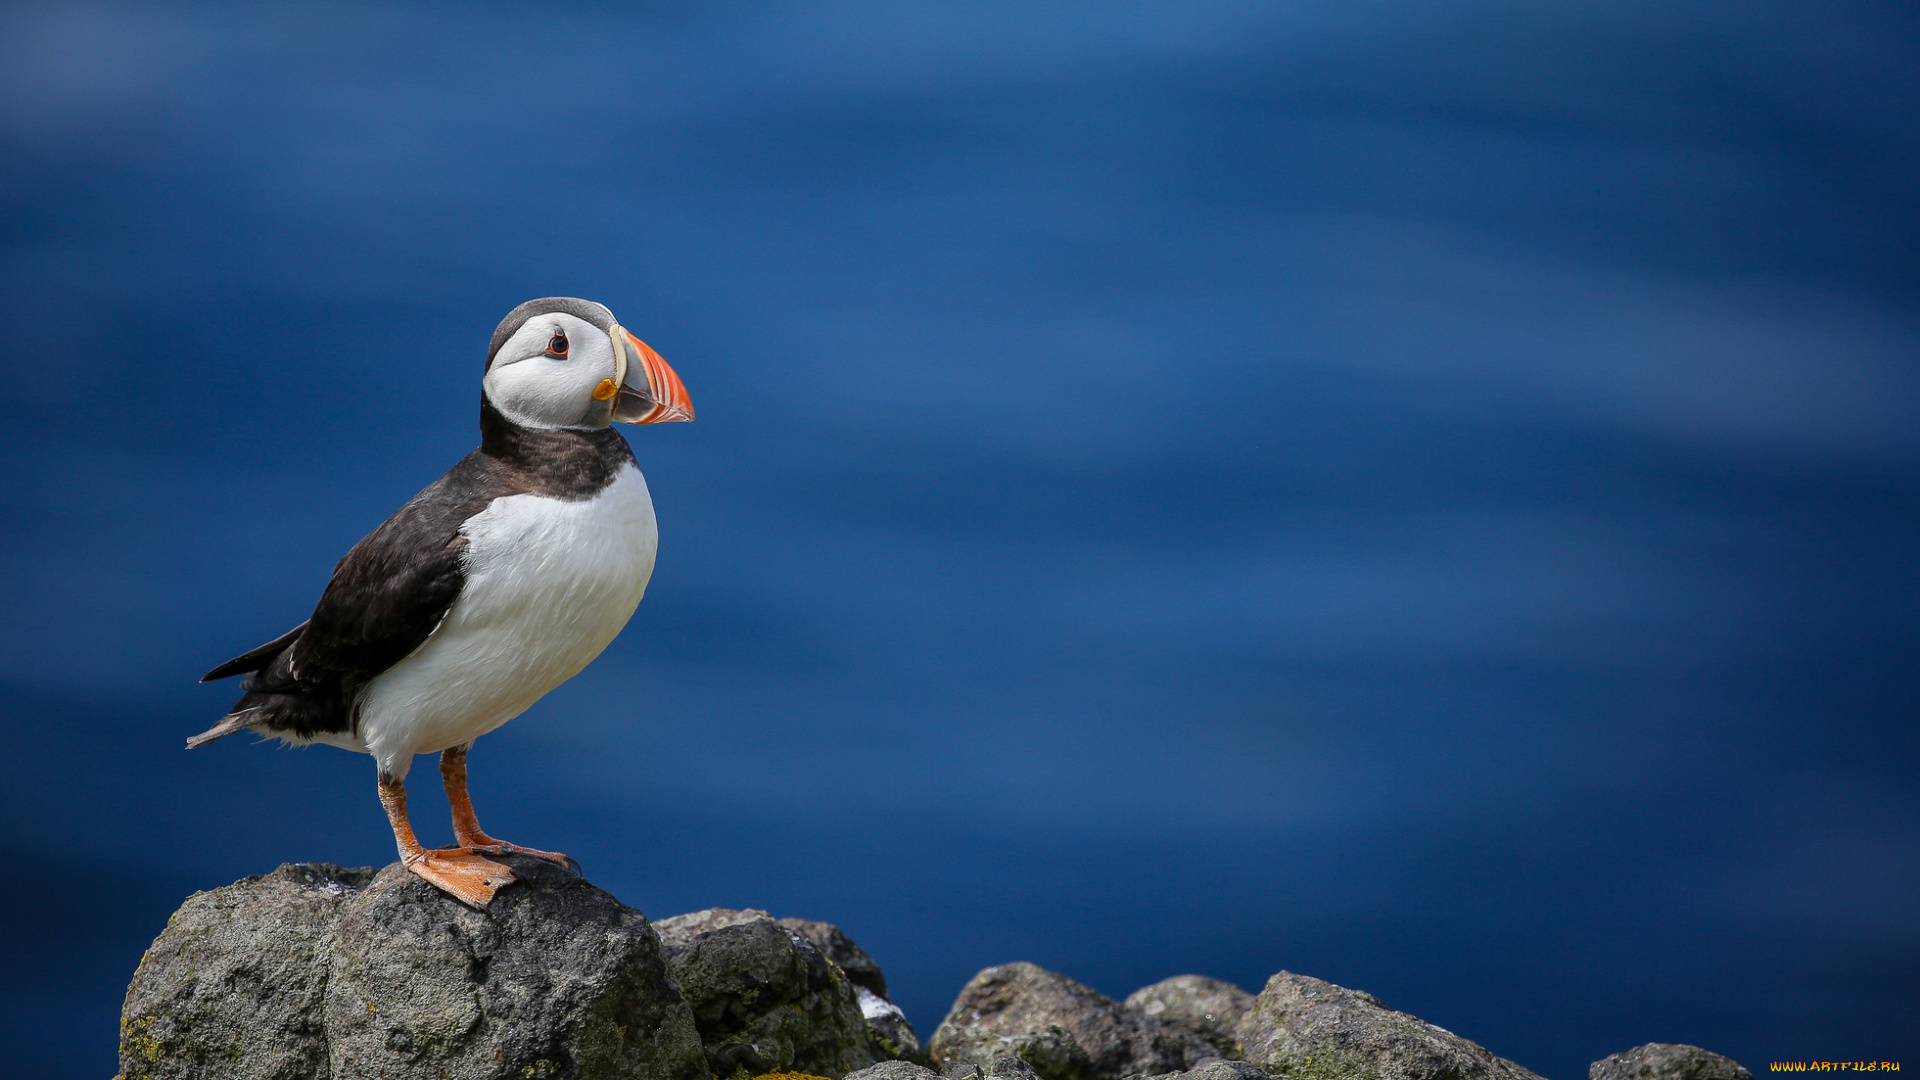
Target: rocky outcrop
<point>1302,1027</point>
<point>317,972</point>
<point>1197,1005</point>
<point>1667,1061</point>
<point>1065,1030</point>
<point>767,999</point>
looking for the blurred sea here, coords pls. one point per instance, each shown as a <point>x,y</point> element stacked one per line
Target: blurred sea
<point>1422,495</point>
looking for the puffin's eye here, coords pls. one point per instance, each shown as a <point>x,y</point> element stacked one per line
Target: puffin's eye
<point>558,345</point>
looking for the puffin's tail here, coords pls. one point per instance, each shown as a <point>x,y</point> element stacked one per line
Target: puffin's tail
<point>253,660</point>
<point>237,720</point>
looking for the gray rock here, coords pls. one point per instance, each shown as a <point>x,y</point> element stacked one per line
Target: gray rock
<point>841,950</point>
<point>678,931</point>
<point>894,1070</point>
<point>887,1028</point>
<point>1013,1068</point>
<point>236,985</point>
<point>1667,1061</point>
<point>1195,1004</point>
<point>1006,1068</point>
<point>1215,1069</point>
<point>889,1035</point>
<point>1065,1030</point>
<point>765,999</point>
<point>1302,1027</point>
<point>319,972</point>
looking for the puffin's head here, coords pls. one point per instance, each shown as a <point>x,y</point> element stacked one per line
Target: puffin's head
<point>558,362</point>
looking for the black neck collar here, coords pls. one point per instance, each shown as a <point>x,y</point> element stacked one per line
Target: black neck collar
<point>561,462</point>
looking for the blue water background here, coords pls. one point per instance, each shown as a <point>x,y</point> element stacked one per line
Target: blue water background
<point>1421,495</point>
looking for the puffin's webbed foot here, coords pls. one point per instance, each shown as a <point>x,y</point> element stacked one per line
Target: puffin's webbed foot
<point>466,826</point>
<point>457,872</point>
<point>462,874</point>
<point>483,842</point>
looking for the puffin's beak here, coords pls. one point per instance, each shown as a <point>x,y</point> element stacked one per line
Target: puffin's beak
<point>650,392</point>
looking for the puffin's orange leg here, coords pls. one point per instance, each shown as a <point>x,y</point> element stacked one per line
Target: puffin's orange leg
<point>466,827</point>
<point>464,874</point>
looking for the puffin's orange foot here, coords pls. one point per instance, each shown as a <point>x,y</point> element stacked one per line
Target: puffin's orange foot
<point>461,873</point>
<point>501,847</point>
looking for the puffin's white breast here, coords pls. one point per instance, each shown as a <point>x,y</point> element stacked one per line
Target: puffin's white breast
<point>548,584</point>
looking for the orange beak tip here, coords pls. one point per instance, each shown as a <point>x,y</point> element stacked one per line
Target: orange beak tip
<point>669,394</point>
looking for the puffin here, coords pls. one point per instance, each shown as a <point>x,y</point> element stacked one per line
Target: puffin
<point>496,583</point>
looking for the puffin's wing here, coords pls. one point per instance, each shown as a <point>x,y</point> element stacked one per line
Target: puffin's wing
<point>387,596</point>
<point>390,592</point>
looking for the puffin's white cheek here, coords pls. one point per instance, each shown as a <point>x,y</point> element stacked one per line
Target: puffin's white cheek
<point>542,392</point>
